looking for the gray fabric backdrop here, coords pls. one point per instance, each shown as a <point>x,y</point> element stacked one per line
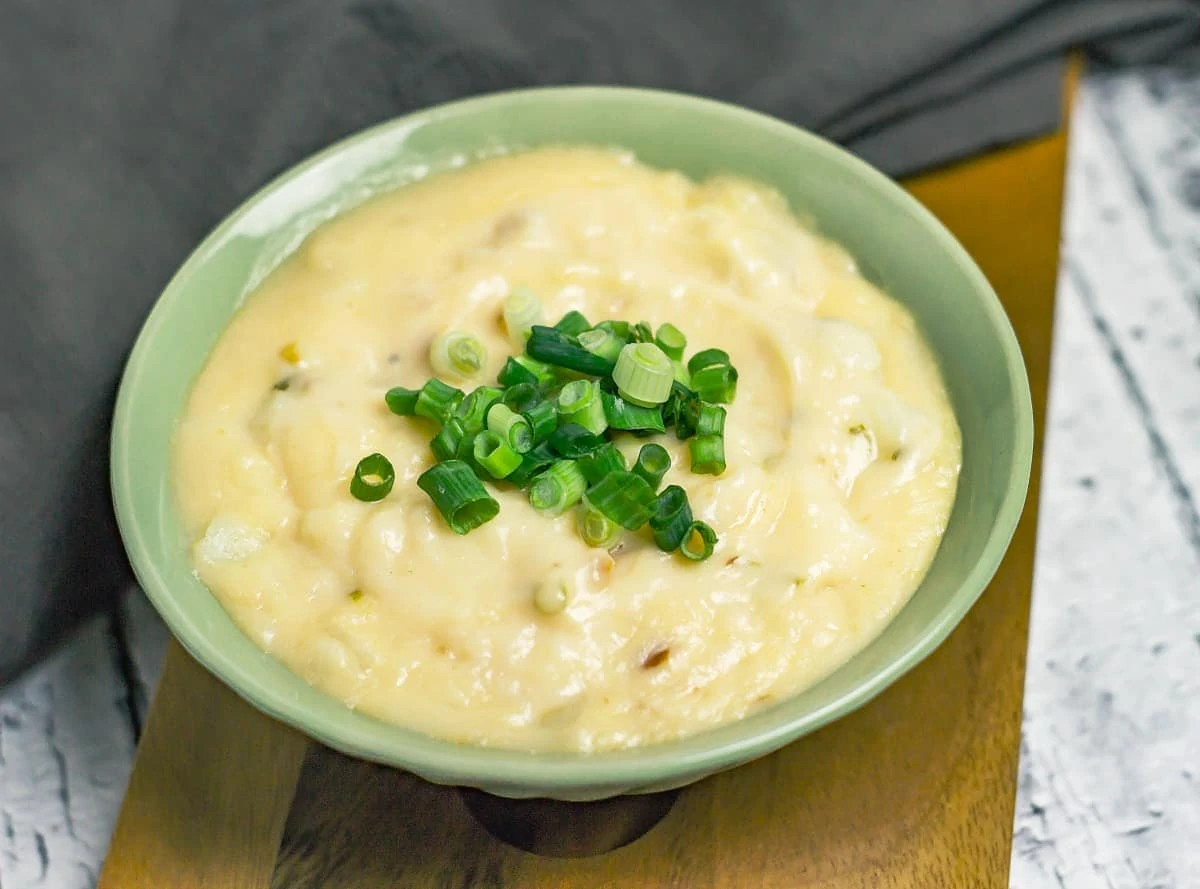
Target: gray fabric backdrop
<point>128,128</point>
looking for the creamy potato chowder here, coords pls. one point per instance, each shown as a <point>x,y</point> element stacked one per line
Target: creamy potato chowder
<point>842,459</point>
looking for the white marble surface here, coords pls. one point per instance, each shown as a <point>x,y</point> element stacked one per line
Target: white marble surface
<point>1109,791</point>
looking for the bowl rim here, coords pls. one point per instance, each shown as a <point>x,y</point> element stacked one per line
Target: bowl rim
<point>655,764</point>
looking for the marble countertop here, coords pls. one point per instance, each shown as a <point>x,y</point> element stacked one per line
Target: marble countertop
<point>1109,789</point>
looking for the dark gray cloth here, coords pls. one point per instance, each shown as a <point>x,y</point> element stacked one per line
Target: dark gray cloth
<point>128,128</point>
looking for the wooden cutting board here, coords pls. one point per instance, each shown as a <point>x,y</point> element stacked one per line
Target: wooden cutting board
<point>915,790</point>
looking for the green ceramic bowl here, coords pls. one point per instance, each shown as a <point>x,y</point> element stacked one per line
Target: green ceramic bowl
<point>898,244</point>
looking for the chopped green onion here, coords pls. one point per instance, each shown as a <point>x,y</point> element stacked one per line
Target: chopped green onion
<point>572,441</point>
<point>543,373</point>
<point>511,427</point>
<point>543,431</point>
<point>521,397</point>
<point>652,464</point>
<point>623,497</point>
<point>622,414</point>
<point>455,353</point>
<point>602,342</point>
<point>698,542</point>
<point>556,348</point>
<point>710,420</point>
<point>681,410</point>
<point>551,596</point>
<point>708,454</point>
<point>573,323</point>
<point>558,488</point>
<point>643,374</point>
<point>579,404</point>
<point>401,401</point>
<point>437,400</point>
<point>532,464</point>
<point>513,374</point>
<point>446,443</point>
<point>600,462</point>
<point>522,310</point>
<point>373,478</point>
<point>473,410</point>
<point>597,529</point>
<point>493,454</point>
<point>708,358</point>
<point>459,495</point>
<point>621,329</point>
<point>466,451</point>
<point>542,417</point>
<point>672,518</point>
<point>671,340</point>
<point>716,384</point>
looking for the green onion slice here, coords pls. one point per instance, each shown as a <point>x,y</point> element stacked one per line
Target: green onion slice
<point>708,358</point>
<point>446,443</point>
<point>602,342</point>
<point>466,452</point>
<point>579,404</point>
<point>532,464</point>
<point>710,420</point>
<point>600,462</point>
<point>511,427</point>
<point>521,397</point>
<point>551,596</point>
<point>543,373</point>
<point>572,441</point>
<point>514,374</point>
<point>671,340</point>
<point>437,401</point>
<point>542,418</point>
<point>643,374</point>
<point>494,455</point>
<point>681,410</point>
<point>373,478</point>
<point>558,488</point>
<point>522,310</point>
<point>560,350</point>
<point>473,409</point>
<point>597,529</point>
<point>652,464</point>
<point>672,518</point>
<point>573,323</point>
<point>622,414</point>
<point>716,384</point>
<point>698,542</point>
<point>708,454</point>
<point>455,353</point>
<point>622,329</point>
<point>624,498</point>
<point>459,495</point>
<point>401,401</point>
<point>641,332</point>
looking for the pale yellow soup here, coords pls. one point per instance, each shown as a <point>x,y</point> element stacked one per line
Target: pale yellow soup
<point>842,451</point>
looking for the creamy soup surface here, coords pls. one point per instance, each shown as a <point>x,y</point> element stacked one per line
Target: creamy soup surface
<point>842,449</point>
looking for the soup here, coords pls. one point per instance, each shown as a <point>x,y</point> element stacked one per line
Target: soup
<point>841,449</point>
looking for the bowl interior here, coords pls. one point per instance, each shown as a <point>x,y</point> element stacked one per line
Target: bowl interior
<point>899,245</point>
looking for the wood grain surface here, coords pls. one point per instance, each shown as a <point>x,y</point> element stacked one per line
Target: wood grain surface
<point>211,786</point>
<point>914,790</point>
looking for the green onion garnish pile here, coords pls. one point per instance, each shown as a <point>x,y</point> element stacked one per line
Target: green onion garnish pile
<point>547,427</point>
